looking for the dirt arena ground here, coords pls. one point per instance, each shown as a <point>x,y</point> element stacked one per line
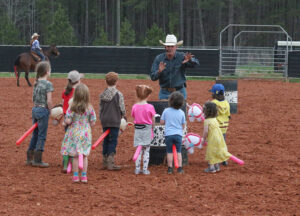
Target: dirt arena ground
<point>264,133</point>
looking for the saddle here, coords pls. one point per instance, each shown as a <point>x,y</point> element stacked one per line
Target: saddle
<point>35,56</point>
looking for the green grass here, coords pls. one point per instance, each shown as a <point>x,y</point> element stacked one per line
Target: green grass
<point>87,75</point>
<point>102,76</point>
<point>136,76</point>
<point>294,80</point>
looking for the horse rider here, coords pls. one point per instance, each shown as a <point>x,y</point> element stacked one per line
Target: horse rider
<point>35,46</point>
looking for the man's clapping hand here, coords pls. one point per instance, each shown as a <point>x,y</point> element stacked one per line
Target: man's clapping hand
<point>161,67</point>
<point>188,56</point>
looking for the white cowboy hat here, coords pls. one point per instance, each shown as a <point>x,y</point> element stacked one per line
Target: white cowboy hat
<point>35,35</point>
<point>171,40</point>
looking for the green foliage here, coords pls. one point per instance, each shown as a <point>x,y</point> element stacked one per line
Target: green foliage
<point>44,17</point>
<point>60,31</point>
<point>137,5</point>
<point>127,34</point>
<point>173,23</point>
<point>9,34</point>
<point>153,35</point>
<point>102,39</point>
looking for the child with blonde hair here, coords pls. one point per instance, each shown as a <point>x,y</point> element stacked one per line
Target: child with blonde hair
<point>73,81</point>
<point>78,138</point>
<point>42,100</point>
<point>216,151</point>
<point>144,120</point>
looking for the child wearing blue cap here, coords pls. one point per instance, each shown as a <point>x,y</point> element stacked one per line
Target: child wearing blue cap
<point>218,95</point>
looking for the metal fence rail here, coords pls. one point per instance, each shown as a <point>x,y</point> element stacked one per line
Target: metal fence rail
<point>246,61</point>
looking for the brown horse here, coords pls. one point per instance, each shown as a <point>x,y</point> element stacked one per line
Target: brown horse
<point>26,62</point>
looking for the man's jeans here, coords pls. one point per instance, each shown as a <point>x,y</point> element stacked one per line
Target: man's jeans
<point>111,140</point>
<point>164,94</point>
<point>41,116</point>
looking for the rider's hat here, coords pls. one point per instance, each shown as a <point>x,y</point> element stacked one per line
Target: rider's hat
<point>35,35</point>
<point>171,40</point>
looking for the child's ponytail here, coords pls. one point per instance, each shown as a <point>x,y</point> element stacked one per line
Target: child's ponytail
<point>69,87</point>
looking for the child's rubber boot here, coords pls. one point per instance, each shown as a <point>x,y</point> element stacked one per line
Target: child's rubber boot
<point>111,163</point>
<point>65,163</point>
<point>37,162</point>
<point>104,162</point>
<point>30,155</point>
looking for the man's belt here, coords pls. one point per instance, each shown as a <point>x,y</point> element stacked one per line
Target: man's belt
<point>172,89</point>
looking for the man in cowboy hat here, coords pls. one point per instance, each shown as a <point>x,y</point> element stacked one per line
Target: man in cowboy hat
<point>169,68</point>
<point>35,46</point>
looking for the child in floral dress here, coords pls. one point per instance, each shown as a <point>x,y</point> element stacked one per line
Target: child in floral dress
<point>78,138</point>
<point>73,81</point>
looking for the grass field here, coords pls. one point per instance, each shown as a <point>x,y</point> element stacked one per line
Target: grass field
<point>146,77</point>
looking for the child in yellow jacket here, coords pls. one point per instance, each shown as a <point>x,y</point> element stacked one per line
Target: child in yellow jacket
<point>223,107</point>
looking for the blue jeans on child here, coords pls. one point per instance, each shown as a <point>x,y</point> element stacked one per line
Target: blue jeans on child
<point>41,116</point>
<point>173,139</point>
<point>164,94</point>
<point>111,140</point>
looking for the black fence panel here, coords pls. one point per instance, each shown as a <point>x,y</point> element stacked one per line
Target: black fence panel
<point>124,60</point>
<point>294,64</point>
<point>8,55</point>
<point>102,60</point>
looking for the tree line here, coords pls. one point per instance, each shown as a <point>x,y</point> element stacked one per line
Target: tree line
<point>140,22</point>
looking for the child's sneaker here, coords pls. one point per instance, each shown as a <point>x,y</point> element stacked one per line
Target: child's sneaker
<point>146,172</point>
<point>75,179</point>
<point>224,163</point>
<point>180,170</point>
<point>84,179</point>
<point>170,170</point>
<point>210,170</point>
<point>217,167</point>
<point>137,171</point>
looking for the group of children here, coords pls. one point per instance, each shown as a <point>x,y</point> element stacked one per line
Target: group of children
<point>79,117</point>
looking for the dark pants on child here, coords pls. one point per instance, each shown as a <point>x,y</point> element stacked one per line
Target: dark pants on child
<point>41,116</point>
<point>173,140</point>
<point>111,140</point>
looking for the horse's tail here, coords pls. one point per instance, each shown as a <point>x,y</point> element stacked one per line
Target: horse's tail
<point>17,63</point>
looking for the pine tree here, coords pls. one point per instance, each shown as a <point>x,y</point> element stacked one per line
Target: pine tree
<point>60,31</point>
<point>9,34</point>
<point>127,33</point>
<point>153,35</point>
<point>102,39</point>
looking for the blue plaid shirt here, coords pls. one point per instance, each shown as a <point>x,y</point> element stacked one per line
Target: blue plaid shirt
<point>174,73</point>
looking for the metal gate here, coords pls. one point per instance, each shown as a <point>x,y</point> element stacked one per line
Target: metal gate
<point>253,61</point>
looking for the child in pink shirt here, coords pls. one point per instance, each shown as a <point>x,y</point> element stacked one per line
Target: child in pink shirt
<point>143,114</point>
